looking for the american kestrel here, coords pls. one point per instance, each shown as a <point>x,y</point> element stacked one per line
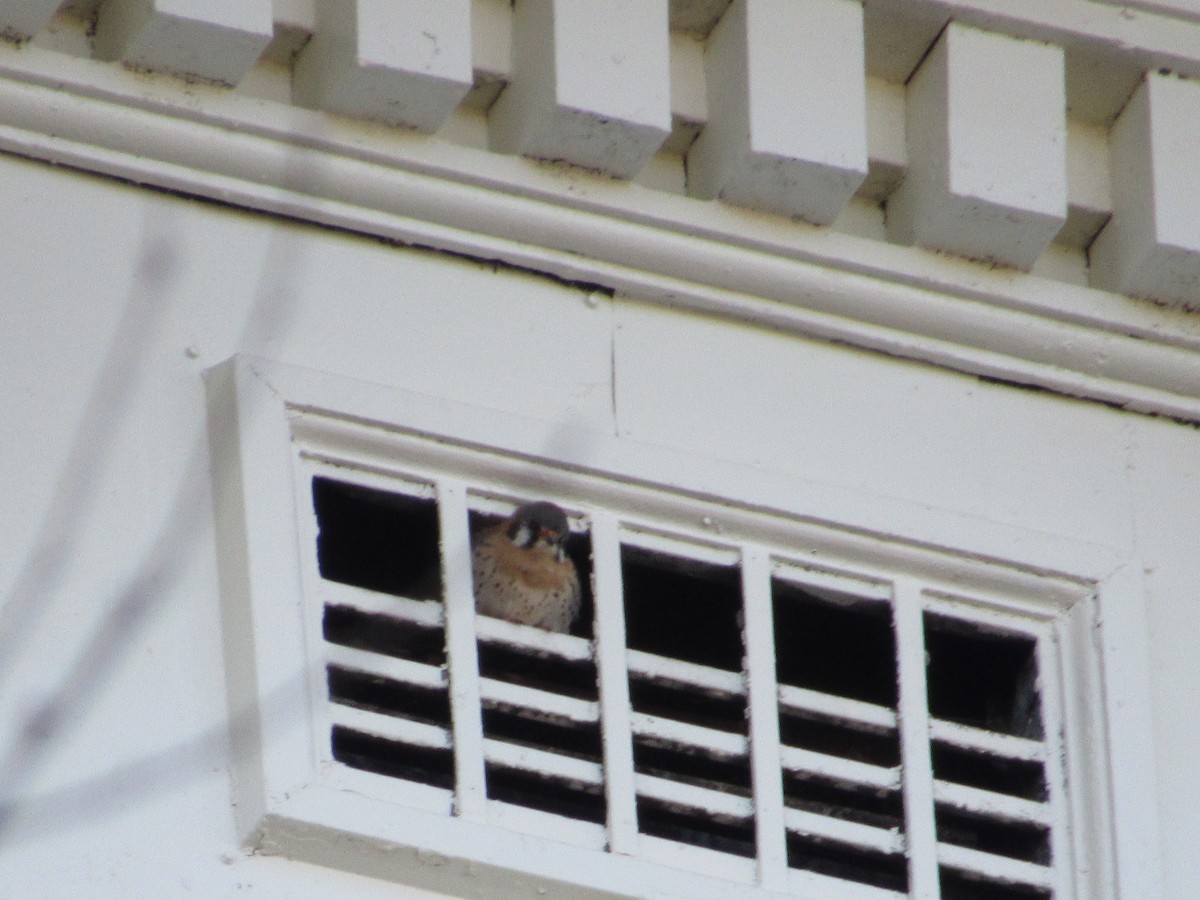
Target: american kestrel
<point>522,572</point>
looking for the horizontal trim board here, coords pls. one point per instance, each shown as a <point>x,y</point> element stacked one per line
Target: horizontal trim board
<point>782,275</point>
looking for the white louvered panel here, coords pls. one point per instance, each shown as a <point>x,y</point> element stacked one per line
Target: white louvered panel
<point>542,763</point>
<point>992,743</point>
<point>686,858</point>
<point>391,728</point>
<point>382,666</point>
<point>555,706</point>
<point>855,834</point>
<point>999,868</point>
<point>823,583</point>
<point>718,744</point>
<point>661,670</point>
<point>428,613</point>
<point>803,700</point>
<point>560,829</point>
<point>991,804</point>
<point>718,804</point>
<point>534,640</point>
<point>835,768</point>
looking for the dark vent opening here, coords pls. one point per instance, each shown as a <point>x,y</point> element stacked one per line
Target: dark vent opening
<point>983,678</point>
<point>531,668</point>
<point>960,886</point>
<point>849,740</point>
<point>383,634</point>
<point>574,801</point>
<point>688,704</point>
<point>579,550</point>
<point>834,643</point>
<point>697,829</point>
<point>377,540</point>
<point>848,863</point>
<point>530,728</point>
<point>1023,841</point>
<point>682,608</point>
<point>854,803</point>
<point>726,776</point>
<point>396,760</point>
<point>1019,778</point>
<point>393,698</point>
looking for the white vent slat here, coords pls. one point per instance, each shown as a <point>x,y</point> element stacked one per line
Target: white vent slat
<point>717,744</point>
<point>834,768</point>
<point>998,868</point>
<point>718,804</point>
<point>390,667</point>
<point>663,670</point>
<point>992,743</point>
<point>802,700</point>
<point>391,728</point>
<point>856,834</point>
<point>534,640</point>
<point>429,613</point>
<point>555,706</point>
<point>990,804</point>
<point>712,554</point>
<point>831,584</point>
<point>542,763</point>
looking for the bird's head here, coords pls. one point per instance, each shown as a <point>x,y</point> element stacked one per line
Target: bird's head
<point>540,524</point>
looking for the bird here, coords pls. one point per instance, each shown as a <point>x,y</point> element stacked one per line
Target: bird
<point>522,572</point>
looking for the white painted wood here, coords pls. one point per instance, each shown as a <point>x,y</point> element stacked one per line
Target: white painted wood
<point>834,768</point>
<point>1008,871</point>
<point>21,19</point>
<point>993,805</point>
<point>1079,341</point>
<point>504,695</point>
<point>763,712</point>
<point>557,829</point>
<point>668,732</point>
<point>590,84</point>
<point>535,641</point>
<point>1089,189</point>
<point>704,551</point>
<point>986,133</point>
<point>613,683</point>
<point>402,62</point>
<point>543,763</point>
<point>802,700</point>
<point>1005,746</point>
<point>402,670</point>
<point>470,795</point>
<point>844,832</point>
<point>209,39</point>
<point>915,758</point>
<point>392,728</point>
<point>663,670</point>
<point>1187,9</point>
<point>1055,722</point>
<point>787,129</point>
<point>427,613</point>
<point>1151,248</point>
<point>682,796</point>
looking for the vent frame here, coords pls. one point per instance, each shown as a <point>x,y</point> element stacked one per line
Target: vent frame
<point>294,791</point>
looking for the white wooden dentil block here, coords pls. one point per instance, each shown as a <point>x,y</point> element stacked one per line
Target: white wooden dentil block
<point>218,40</point>
<point>787,117</point>
<point>403,62</point>
<point>21,19</point>
<point>591,84</point>
<point>1151,246</point>
<point>986,134</point>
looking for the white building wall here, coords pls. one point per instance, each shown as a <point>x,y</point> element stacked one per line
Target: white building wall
<point>114,301</point>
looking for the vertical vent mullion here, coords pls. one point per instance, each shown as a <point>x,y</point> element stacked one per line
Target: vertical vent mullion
<point>1049,658</point>
<point>915,753</point>
<point>763,710</point>
<point>470,797</point>
<point>613,681</point>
